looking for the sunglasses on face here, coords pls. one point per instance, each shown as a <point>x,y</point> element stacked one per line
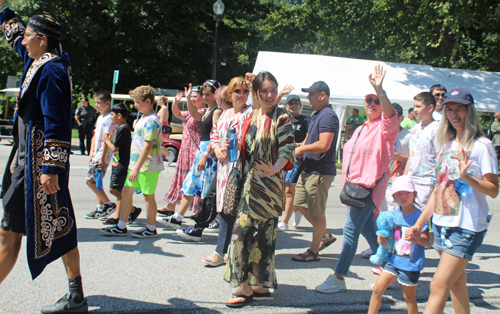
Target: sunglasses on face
<point>369,100</point>
<point>239,91</point>
<point>439,94</point>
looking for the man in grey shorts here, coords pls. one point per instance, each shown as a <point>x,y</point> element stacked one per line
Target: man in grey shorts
<point>318,151</point>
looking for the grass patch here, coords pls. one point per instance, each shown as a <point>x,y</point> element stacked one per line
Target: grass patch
<point>74,133</point>
<point>338,165</point>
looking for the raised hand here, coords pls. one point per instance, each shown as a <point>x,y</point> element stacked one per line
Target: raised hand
<point>463,164</point>
<point>287,89</point>
<point>188,91</point>
<point>377,77</point>
<point>178,97</point>
<point>249,79</point>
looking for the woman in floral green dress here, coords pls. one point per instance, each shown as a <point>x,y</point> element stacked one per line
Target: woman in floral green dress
<point>268,148</point>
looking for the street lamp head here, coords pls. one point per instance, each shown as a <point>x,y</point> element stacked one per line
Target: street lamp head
<point>218,8</point>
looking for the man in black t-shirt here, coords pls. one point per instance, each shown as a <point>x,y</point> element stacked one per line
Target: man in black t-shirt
<point>84,116</point>
<point>318,151</point>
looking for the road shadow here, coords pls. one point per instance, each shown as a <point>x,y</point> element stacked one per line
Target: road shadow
<point>107,304</point>
<point>126,244</point>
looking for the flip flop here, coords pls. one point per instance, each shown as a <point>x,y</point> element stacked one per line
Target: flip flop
<point>246,300</point>
<point>261,295</point>
<point>327,242</point>
<point>305,256</point>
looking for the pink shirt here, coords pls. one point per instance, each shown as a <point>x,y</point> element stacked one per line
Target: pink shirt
<point>372,155</point>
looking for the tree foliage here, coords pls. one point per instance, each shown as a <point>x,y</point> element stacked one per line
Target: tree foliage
<point>170,43</point>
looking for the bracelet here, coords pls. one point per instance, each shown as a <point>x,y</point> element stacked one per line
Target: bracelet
<point>381,95</point>
<point>4,7</point>
<point>206,154</point>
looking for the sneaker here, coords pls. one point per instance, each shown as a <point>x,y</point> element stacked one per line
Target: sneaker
<point>170,159</point>
<point>282,226</point>
<point>144,233</point>
<point>296,218</point>
<point>332,285</point>
<point>110,221</point>
<point>66,305</point>
<point>170,222</point>
<point>191,233</point>
<point>114,231</point>
<point>93,214</point>
<point>377,270</point>
<point>108,211</point>
<point>213,227</point>
<point>367,253</point>
<point>133,216</point>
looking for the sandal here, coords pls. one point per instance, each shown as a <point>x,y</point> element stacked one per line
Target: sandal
<point>210,261</point>
<point>164,211</point>
<point>246,300</point>
<point>304,257</point>
<point>326,242</point>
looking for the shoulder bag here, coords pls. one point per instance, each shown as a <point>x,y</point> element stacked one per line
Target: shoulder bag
<point>354,194</point>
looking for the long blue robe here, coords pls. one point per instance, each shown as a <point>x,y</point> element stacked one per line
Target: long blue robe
<point>46,110</point>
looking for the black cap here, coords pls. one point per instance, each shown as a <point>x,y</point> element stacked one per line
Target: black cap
<point>292,97</point>
<point>459,95</point>
<point>318,86</point>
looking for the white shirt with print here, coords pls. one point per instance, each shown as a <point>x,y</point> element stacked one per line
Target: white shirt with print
<point>422,157</point>
<point>104,125</point>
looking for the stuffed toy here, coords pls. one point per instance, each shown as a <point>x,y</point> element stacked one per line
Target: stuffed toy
<point>385,224</point>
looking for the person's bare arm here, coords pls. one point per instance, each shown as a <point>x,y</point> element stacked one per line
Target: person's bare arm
<point>108,143</point>
<point>175,108</point>
<point>320,146</point>
<point>148,145</point>
<point>76,117</point>
<point>191,107</point>
<point>488,186</point>
<point>249,77</point>
<point>376,79</point>
<point>163,113</point>
<point>286,90</point>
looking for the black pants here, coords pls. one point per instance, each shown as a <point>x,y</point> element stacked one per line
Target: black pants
<point>85,130</point>
<point>226,224</point>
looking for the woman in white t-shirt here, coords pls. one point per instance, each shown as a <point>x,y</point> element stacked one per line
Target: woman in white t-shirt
<point>466,171</point>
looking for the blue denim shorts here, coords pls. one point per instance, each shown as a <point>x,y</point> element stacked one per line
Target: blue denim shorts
<point>464,243</point>
<point>405,277</point>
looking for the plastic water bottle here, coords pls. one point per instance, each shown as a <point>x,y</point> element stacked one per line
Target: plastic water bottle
<point>232,151</point>
<point>293,173</point>
<point>98,178</point>
<point>453,169</point>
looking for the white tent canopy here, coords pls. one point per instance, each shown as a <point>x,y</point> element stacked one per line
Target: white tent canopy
<point>348,79</point>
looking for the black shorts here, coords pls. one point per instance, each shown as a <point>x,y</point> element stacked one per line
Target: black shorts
<point>14,204</point>
<point>118,178</point>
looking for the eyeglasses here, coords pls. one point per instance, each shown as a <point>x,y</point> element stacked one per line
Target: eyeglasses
<point>239,91</point>
<point>439,94</point>
<point>369,100</point>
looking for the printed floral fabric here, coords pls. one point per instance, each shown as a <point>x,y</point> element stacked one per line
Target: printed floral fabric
<point>251,255</point>
<point>189,147</point>
<point>218,138</point>
<point>270,139</point>
<point>197,182</point>
<point>147,129</point>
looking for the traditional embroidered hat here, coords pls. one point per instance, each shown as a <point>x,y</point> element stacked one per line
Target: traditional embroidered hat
<point>213,84</point>
<point>196,88</point>
<point>46,25</point>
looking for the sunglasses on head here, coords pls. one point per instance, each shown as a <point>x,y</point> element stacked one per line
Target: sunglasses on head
<point>369,100</point>
<point>239,91</point>
<point>439,94</point>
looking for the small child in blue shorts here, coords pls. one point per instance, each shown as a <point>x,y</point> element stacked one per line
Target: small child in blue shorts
<point>407,258</point>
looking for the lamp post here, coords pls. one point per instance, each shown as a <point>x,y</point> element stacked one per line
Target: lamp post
<point>218,10</point>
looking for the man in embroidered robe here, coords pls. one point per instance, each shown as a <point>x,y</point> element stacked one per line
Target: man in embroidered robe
<point>36,198</point>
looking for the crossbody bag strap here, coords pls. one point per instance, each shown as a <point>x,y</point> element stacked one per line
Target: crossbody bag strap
<point>352,151</point>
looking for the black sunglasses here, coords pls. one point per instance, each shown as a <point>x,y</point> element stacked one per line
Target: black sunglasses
<point>239,91</point>
<point>369,100</point>
<point>439,94</point>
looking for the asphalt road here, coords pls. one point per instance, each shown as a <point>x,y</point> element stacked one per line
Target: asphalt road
<point>165,274</point>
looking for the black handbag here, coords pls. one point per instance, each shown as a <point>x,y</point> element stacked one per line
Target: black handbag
<point>354,194</point>
<point>166,129</point>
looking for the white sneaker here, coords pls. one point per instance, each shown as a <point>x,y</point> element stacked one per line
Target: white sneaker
<point>282,226</point>
<point>332,285</point>
<point>170,159</point>
<point>367,253</point>
<point>296,218</point>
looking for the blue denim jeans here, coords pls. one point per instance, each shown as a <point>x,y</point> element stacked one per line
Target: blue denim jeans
<point>359,221</point>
